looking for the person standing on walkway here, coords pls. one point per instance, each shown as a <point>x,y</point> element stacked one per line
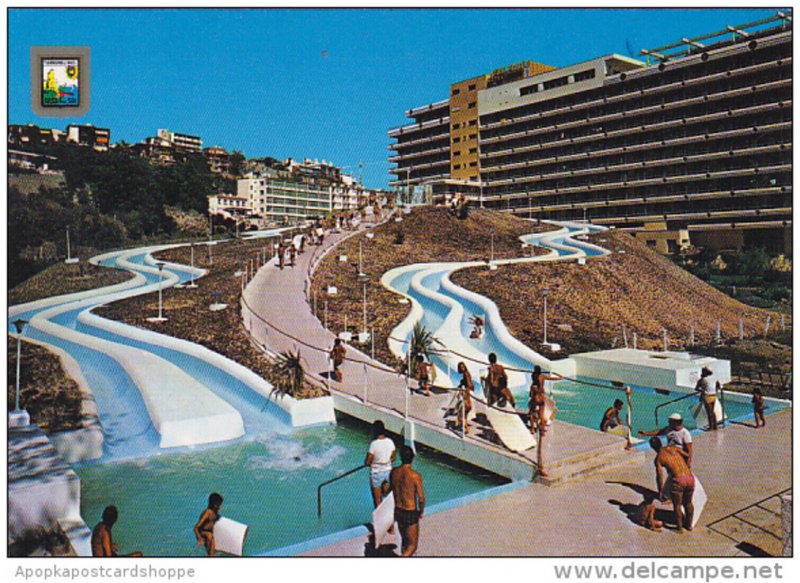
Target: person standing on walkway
<point>380,456</point>
<point>676,434</point>
<point>338,353</point>
<point>758,408</point>
<point>536,399</point>
<point>409,500</point>
<point>281,253</point>
<point>292,254</point>
<point>424,376</point>
<point>497,381</point>
<point>708,387</point>
<point>466,388</point>
<point>680,484</point>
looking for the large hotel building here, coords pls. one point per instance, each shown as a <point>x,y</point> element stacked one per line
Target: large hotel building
<point>691,144</point>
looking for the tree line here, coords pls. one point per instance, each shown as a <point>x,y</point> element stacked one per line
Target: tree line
<point>109,199</point>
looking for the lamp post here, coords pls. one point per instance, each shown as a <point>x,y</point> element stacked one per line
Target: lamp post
<point>20,326</point>
<point>70,258</point>
<point>361,273</point>
<point>408,184</point>
<point>491,256</point>
<point>210,238</point>
<point>544,294</point>
<point>191,281</point>
<point>160,318</point>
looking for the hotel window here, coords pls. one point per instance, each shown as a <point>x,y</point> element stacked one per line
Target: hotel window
<point>456,140</point>
<point>584,75</point>
<point>473,122</point>
<point>473,150</point>
<point>472,105</point>
<point>472,87</point>
<point>457,167</point>
<point>456,126</point>
<point>456,91</point>
<point>457,153</point>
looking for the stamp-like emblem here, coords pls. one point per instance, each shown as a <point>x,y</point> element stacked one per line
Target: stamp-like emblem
<point>60,81</point>
<point>61,87</point>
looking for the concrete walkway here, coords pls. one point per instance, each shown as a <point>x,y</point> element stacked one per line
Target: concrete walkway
<point>278,297</point>
<point>738,466</point>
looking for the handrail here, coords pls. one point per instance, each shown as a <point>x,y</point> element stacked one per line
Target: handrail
<point>319,488</point>
<point>681,398</point>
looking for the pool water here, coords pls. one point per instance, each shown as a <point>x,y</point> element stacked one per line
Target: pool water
<point>269,483</point>
<point>584,405</point>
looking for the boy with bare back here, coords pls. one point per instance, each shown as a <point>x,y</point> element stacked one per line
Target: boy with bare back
<point>679,486</point>
<point>409,500</point>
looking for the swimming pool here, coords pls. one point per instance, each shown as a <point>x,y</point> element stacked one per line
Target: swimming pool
<point>269,483</point>
<point>584,405</point>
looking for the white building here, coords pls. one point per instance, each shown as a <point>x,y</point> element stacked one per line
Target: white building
<point>229,205</point>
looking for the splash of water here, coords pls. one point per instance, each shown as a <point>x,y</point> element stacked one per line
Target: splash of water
<point>287,454</point>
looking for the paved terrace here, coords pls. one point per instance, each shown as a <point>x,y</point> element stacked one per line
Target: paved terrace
<point>738,467</point>
<point>278,297</point>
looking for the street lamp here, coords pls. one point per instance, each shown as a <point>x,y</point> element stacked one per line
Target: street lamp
<point>544,294</point>
<point>191,281</point>
<point>160,318</point>
<point>70,259</point>
<point>20,326</point>
<point>491,256</point>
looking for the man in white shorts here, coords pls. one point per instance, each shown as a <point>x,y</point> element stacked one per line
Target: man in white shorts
<point>380,456</point>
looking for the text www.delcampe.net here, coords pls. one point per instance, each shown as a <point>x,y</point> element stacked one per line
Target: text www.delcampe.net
<point>654,570</point>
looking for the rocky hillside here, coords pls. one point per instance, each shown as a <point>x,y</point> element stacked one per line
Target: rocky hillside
<point>428,234</point>
<point>634,287</point>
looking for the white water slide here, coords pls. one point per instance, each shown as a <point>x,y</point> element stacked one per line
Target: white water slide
<point>444,309</point>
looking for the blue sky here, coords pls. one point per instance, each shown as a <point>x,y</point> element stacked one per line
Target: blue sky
<point>323,84</point>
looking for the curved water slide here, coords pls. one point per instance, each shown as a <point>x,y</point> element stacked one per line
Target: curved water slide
<point>152,391</point>
<point>444,308</point>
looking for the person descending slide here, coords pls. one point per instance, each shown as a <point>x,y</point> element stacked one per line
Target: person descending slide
<point>409,500</point>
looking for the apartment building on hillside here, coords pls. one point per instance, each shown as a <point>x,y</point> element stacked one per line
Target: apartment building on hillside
<point>691,144</point>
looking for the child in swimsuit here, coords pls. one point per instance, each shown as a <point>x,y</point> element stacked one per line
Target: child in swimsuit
<point>204,529</point>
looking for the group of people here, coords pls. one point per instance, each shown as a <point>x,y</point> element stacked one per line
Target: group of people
<point>291,250</point>
<point>403,481</point>
<point>102,541</point>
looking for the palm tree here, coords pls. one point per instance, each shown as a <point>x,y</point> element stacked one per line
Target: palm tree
<point>288,373</point>
<point>421,345</point>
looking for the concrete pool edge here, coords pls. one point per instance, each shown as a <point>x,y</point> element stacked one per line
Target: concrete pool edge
<point>361,530</point>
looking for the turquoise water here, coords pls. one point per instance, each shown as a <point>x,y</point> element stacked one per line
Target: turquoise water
<point>584,405</point>
<point>269,483</point>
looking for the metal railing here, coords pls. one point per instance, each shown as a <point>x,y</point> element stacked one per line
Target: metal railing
<point>319,488</point>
